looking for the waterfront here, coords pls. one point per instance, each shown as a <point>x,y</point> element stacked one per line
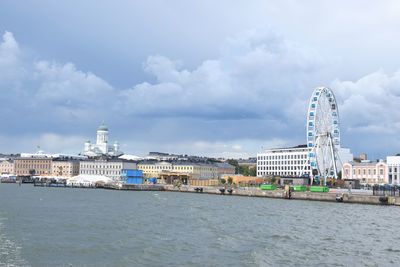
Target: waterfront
<point>78,227</point>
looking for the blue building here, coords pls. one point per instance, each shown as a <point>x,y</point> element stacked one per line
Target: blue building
<point>130,176</point>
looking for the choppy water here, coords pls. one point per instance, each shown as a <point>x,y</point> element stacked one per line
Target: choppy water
<point>78,227</point>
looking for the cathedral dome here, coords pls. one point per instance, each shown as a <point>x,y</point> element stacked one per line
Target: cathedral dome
<point>102,127</point>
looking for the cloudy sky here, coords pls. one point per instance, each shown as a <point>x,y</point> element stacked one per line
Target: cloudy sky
<point>218,78</point>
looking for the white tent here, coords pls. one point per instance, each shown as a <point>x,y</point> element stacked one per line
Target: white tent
<point>87,180</point>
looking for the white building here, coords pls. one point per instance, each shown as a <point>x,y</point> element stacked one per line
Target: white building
<point>101,147</point>
<point>292,161</point>
<point>109,168</point>
<point>393,163</point>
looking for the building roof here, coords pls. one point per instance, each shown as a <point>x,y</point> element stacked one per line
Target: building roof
<point>223,165</point>
<point>102,127</point>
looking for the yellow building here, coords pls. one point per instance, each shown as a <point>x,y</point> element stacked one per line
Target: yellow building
<point>193,170</point>
<point>7,166</point>
<point>65,168</point>
<point>154,169</point>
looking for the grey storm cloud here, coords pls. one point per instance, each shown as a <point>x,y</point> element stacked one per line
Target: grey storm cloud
<point>253,94</point>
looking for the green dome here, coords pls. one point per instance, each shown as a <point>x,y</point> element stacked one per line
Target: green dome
<point>102,127</point>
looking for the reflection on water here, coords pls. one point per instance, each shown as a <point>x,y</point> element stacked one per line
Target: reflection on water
<point>78,227</point>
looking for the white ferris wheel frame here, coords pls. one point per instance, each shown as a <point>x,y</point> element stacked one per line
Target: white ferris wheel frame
<point>323,133</point>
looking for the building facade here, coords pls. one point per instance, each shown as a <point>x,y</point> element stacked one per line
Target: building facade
<point>65,168</point>
<point>7,166</point>
<point>284,161</point>
<point>33,166</point>
<point>101,147</point>
<point>225,169</point>
<point>393,163</point>
<point>193,170</point>
<point>367,171</point>
<point>292,161</point>
<point>109,168</point>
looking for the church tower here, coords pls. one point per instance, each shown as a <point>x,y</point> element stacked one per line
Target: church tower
<point>102,138</point>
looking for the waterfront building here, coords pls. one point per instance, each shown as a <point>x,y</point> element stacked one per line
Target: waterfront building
<point>193,170</point>
<point>111,168</point>
<point>197,171</point>
<point>225,169</point>
<point>36,165</point>
<point>284,161</point>
<point>393,163</point>
<point>7,166</point>
<point>65,168</point>
<point>291,161</point>
<point>367,171</point>
<point>101,147</point>
<point>154,169</point>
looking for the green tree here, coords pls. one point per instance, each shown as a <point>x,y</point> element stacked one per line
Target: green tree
<point>230,180</point>
<point>223,181</point>
<point>253,171</point>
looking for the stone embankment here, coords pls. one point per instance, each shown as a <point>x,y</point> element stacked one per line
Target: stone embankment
<point>278,193</point>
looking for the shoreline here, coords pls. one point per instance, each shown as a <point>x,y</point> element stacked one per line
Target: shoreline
<point>278,193</point>
<point>254,192</point>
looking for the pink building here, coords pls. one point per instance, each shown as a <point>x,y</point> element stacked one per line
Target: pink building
<point>366,171</point>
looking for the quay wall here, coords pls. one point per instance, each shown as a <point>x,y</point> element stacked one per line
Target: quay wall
<point>313,196</point>
<point>256,192</point>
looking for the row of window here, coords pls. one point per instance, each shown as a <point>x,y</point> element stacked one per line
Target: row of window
<point>283,168</point>
<point>285,162</point>
<point>275,157</point>
<point>101,166</point>
<point>364,172</point>
<point>265,173</point>
<point>32,166</point>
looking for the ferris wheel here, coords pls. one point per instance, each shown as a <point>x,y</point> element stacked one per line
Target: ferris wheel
<point>323,134</point>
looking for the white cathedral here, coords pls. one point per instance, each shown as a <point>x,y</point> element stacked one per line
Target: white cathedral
<point>101,147</point>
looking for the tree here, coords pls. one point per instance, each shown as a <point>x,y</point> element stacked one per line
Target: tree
<point>223,181</point>
<point>253,171</point>
<point>230,180</point>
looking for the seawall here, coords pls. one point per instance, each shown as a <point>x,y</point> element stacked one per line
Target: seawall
<point>278,193</point>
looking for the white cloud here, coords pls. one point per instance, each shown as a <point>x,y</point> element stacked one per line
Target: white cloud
<point>256,75</point>
<point>66,86</point>
<point>371,103</point>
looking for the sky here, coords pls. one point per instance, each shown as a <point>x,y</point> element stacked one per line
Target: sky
<point>212,78</point>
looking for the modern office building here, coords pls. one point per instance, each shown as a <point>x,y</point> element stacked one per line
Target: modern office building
<point>291,161</point>
<point>284,161</point>
<point>367,171</point>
